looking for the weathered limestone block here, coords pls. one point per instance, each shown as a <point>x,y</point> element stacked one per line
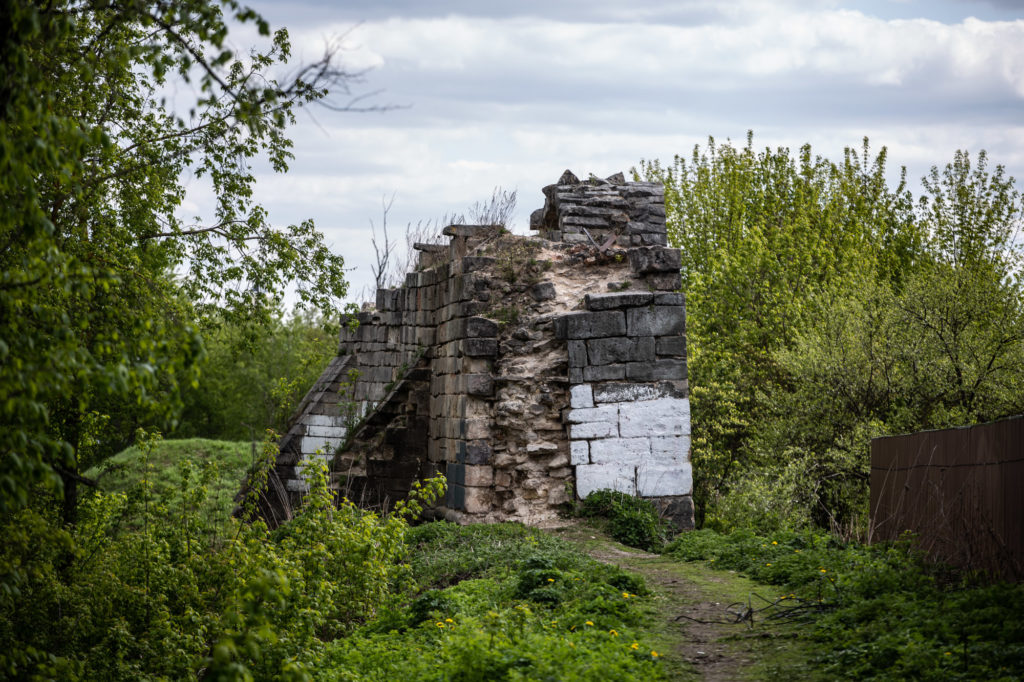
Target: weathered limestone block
<point>656,481</point>
<point>660,417</point>
<point>593,477</point>
<point>581,396</point>
<point>620,450</point>
<point>579,452</point>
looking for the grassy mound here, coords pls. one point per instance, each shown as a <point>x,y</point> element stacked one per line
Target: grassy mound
<point>224,464</point>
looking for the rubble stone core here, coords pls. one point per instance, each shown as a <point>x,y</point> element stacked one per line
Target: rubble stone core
<point>526,370</point>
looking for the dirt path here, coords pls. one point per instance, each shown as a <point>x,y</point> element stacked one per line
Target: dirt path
<point>689,599</point>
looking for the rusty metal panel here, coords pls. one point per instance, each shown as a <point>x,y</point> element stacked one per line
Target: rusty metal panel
<point>958,490</point>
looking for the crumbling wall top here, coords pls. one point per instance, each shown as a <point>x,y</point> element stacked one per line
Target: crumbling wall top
<point>602,211</point>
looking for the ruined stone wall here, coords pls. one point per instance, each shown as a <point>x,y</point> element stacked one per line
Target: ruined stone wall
<point>526,370</point>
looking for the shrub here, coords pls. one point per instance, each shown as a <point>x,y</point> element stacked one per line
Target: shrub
<point>631,520</point>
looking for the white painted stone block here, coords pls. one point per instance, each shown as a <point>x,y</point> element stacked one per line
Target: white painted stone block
<point>656,481</point>
<point>310,444</point>
<point>579,452</point>
<point>594,430</point>
<point>627,392</point>
<point>323,420</point>
<point>607,413</point>
<point>581,396</point>
<point>670,450</point>
<point>630,451</point>
<point>296,485</point>
<point>326,431</point>
<point>591,477</point>
<point>662,417</point>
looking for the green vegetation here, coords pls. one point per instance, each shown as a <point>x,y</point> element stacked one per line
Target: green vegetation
<point>161,584</point>
<point>875,612</point>
<point>504,602</point>
<point>631,520</point>
<point>221,465</point>
<point>825,308</point>
<point>104,287</point>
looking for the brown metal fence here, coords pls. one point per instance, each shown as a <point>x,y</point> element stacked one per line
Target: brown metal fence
<point>961,491</point>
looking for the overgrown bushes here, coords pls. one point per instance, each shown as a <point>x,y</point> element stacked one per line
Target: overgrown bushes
<point>629,519</point>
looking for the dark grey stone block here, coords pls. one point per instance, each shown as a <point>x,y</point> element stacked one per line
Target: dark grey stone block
<point>590,325</point>
<point>604,373</point>
<point>620,349</point>
<point>575,375</point>
<point>671,298</point>
<point>477,327</point>
<point>609,350</point>
<point>480,348</point>
<point>654,259</point>
<point>660,370</point>
<point>477,453</point>
<point>663,281</point>
<point>479,384</point>
<point>618,300</point>
<point>672,345</point>
<point>655,321</point>
<point>577,353</point>
<point>542,291</point>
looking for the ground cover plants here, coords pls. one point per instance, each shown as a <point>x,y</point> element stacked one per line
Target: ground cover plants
<point>155,582</point>
<point>875,612</point>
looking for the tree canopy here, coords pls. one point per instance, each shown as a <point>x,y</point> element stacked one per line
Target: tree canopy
<point>103,283</point>
<point>825,307</point>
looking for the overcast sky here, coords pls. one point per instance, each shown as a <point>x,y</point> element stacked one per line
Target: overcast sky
<point>510,94</point>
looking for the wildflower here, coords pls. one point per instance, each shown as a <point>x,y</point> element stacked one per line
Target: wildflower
<point>796,551</point>
<point>439,624</point>
<point>589,622</point>
<point>948,654</point>
<point>654,654</point>
<point>625,595</point>
<point>774,543</point>
<point>448,620</point>
<point>767,564</point>
<point>613,633</point>
<point>823,570</point>
<point>551,580</point>
<point>634,646</point>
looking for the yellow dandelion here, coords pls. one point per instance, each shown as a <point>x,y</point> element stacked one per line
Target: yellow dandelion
<point>767,564</point>
<point>613,633</point>
<point>589,622</point>
<point>448,620</point>
<point>823,570</point>
<point>625,595</point>
<point>654,654</point>
<point>634,646</point>
<point>796,551</point>
<point>551,580</point>
<point>439,624</point>
<point>774,543</point>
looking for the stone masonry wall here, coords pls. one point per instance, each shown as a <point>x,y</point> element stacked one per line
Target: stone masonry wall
<point>525,370</point>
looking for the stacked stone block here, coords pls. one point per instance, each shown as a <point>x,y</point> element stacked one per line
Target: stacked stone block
<point>629,412</point>
<point>596,210</point>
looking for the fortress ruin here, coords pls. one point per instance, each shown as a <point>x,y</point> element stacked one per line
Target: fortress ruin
<point>529,371</point>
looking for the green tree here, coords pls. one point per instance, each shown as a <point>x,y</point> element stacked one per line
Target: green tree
<point>248,385</point>
<point>825,308</point>
<point>761,234</point>
<point>95,325</point>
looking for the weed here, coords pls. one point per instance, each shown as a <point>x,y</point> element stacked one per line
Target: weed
<point>631,520</point>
